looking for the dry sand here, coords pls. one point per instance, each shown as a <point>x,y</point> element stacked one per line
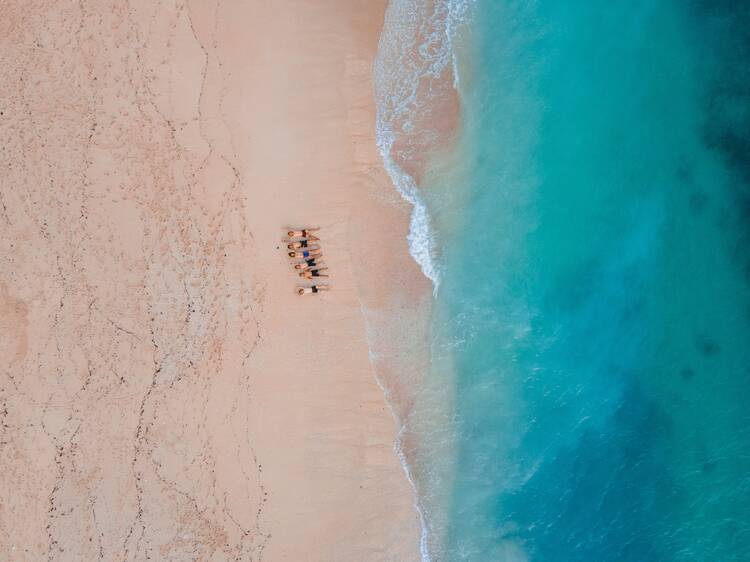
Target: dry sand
<point>164,393</point>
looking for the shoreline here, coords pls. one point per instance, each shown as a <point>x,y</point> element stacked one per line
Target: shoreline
<point>418,128</point>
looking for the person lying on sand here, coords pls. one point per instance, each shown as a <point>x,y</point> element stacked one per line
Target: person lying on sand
<point>305,254</point>
<point>307,264</point>
<point>304,233</point>
<point>302,244</point>
<point>311,290</point>
<point>310,273</point>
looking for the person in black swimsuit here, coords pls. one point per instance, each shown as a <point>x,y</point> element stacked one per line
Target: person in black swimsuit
<point>307,264</point>
<point>312,290</point>
<point>304,233</point>
<point>310,273</point>
<point>302,244</point>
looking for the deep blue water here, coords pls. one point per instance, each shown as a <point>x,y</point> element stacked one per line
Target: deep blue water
<point>595,290</point>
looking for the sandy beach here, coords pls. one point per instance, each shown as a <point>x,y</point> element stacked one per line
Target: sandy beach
<point>166,395</point>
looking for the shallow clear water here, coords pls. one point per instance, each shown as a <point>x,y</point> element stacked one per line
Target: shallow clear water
<point>595,285</point>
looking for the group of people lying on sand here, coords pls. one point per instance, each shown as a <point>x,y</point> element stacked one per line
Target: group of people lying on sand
<point>302,246</point>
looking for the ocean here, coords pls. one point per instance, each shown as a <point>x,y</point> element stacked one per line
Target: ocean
<point>587,230</point>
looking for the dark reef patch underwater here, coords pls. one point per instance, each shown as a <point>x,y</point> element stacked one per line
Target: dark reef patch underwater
<point>595,290</point>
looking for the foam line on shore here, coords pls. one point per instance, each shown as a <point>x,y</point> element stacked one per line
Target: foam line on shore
<point>416,46</point>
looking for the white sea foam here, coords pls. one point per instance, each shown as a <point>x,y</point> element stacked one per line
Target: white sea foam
<point>415,48</point>
<point>422,244</point>
<point>399,448</point>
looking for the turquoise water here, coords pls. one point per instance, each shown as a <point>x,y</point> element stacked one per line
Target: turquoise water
<point>595,284</point>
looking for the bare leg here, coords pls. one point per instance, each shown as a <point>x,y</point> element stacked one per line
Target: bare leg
<point>312,290</point>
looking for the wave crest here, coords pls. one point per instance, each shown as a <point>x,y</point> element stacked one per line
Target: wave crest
<point>416,80</point>
<point>415,77</point>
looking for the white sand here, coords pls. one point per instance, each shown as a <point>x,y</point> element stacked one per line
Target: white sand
<point>165,393</point>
